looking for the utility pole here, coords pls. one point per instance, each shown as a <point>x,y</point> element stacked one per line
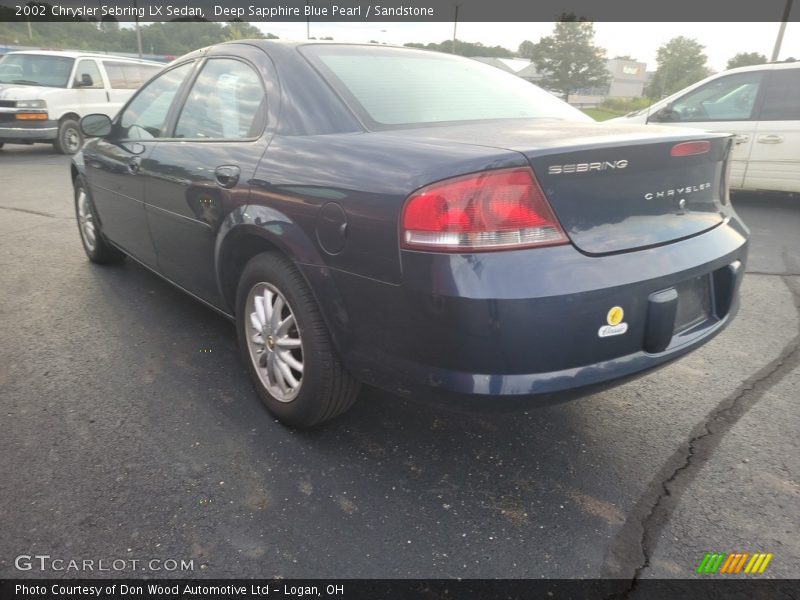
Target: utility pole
<point>138,31</point>
<point>777,49</point>
<point>455,26</point>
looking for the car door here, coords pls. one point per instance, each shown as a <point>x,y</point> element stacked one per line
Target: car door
<point>726,104</point>
<point>113,163</point>
<point>775,159</point>
<point>203,172</point>
<point>89,90</point>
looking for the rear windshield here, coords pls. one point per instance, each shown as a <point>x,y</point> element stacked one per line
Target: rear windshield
<point>395,87</point>
<point>35,69</point>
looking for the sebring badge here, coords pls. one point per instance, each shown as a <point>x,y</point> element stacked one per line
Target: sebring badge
<point>586,167</point>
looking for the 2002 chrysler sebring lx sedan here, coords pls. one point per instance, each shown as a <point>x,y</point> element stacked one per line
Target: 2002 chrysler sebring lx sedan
<point>413,220</point>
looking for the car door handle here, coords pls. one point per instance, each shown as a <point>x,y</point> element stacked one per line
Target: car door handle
<point>742,139</point>
<point>134,164</point>
<point>770,139</point>
<point>227,176</point>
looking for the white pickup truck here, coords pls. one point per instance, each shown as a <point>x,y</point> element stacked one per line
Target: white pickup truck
<point>44,94</point>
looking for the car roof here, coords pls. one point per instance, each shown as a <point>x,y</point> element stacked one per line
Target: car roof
<point>761,67</point>
<point>284,44</point>
<point>69,54</point>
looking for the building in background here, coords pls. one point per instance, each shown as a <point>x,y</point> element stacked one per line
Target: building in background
<point>628,79</point>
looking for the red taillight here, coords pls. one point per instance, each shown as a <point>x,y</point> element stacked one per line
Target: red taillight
<point>690,148</point>
<point>491,210</point>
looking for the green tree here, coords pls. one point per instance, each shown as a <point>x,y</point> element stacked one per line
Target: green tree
<point>464,48</point>
<point>568,59</point>
<point>681,62</point>
<point>109,25</point>
<point>625,57</point>
<point>170,38</point>
<point>745,59</point>
<point>238,30</point>
<point>526,49</point>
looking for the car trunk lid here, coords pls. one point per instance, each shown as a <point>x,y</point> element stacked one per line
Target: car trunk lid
<point>613,188</point>
<point>625,197</point>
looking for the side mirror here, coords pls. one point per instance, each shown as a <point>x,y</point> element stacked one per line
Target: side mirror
<point>665,115</point>
<point>96,125</point>
<point>85,80</point>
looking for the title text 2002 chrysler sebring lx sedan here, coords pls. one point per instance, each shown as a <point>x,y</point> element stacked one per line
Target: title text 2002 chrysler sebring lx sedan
<point>413,220</point>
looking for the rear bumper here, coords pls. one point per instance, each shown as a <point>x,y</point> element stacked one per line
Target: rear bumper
<point>25,133</point>
<point>511,325</point>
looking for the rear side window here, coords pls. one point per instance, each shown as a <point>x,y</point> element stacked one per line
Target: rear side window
<point>116,79</point>
<point>128,76</point>
<point>782,98</point>
<point>394,87</point>
<point>227,101</point>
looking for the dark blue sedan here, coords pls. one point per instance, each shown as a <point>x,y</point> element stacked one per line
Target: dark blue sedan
<point>415,221</point>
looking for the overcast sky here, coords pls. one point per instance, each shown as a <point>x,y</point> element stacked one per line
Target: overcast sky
<point>639,40</point>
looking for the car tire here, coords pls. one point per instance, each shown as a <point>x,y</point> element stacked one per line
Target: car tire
<point>324,388</point>
<point>70,138</point>
<point>1,145</point>
<point>97,249</point>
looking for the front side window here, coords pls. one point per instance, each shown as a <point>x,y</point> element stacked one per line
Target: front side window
<point>144,118</point>
<point>226,102</point>
<point>393,87</point>
<point>730,98</point>
<point>36,69</point>
<point>782,98</point>
<point>88,67</point>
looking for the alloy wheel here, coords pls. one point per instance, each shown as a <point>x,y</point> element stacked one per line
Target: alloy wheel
<point>274,342</point>
<point>86,221</point>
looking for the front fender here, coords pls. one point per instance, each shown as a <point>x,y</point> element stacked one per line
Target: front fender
<point>77,165</point>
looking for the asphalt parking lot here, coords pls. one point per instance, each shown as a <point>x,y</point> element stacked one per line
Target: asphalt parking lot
<point>130,430</point>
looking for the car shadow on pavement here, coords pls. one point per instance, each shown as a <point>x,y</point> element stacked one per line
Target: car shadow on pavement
<point>426,490</point>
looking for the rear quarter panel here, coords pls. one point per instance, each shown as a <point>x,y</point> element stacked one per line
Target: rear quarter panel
<point>369,175</point>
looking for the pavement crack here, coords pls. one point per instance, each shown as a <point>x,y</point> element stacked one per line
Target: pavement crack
<point>638,537</point>
<point>33,212</point>
<point>769,274</point>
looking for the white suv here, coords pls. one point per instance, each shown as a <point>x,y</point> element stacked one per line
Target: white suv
<point>760,104</point>
<point>44,94</point>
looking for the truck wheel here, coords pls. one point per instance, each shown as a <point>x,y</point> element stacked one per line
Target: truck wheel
<point>70,138</point>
